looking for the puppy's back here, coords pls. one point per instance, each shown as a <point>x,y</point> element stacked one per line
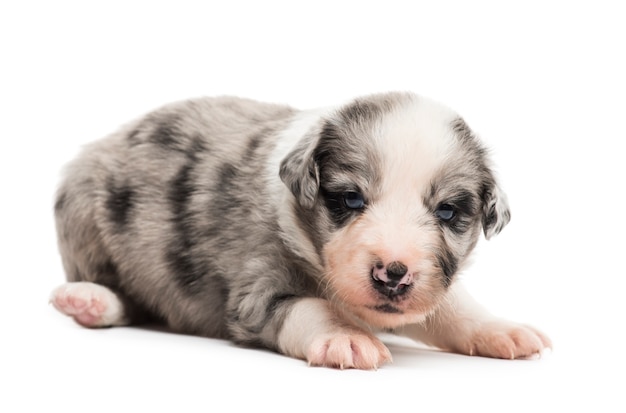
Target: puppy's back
<point>132,210</point>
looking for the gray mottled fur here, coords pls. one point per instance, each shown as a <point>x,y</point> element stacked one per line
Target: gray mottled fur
<point>173,213</point>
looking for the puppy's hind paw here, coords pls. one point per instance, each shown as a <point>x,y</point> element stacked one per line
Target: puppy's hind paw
<point>348,350</point>
<point>91,305</point>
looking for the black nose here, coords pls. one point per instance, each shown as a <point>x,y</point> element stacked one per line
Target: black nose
<point>393,279</point>
<point>396,270</point>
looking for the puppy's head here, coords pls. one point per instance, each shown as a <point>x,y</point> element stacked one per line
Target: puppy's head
<point>393,191</point>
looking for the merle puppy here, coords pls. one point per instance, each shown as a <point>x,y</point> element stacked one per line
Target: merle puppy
<point>305,232</point>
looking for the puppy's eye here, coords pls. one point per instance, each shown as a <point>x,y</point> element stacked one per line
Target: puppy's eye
<point>353,200</point>
<point>445,212</point>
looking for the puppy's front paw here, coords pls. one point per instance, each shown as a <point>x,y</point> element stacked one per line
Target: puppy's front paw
<point>506,340</point>
<point>348,350</point>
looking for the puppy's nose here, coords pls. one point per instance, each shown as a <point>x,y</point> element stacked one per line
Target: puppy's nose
<point>396,271</point>
<point>392,279</point>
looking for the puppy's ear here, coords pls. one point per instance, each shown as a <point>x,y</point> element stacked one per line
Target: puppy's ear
<point>496,212</point>
<point>299,171</point>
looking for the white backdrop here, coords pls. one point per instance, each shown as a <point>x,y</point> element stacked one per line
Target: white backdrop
<point>541,82</point>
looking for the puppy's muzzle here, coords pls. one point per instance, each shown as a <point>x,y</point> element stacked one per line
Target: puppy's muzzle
<point>393,279</point>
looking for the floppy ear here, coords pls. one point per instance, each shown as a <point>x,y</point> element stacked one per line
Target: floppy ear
<point>496,213</point>
<point>299,171</point>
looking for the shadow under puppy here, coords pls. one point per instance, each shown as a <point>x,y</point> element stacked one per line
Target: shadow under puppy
<point>305,232</point>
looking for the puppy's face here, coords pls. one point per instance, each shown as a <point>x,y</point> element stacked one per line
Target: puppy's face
<point>393,191</point>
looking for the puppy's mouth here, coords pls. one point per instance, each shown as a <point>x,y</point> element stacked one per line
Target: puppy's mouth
<point>386,308</point>
<point>395,292</point>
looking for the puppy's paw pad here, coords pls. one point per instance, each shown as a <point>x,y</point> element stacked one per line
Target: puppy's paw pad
<point>348,350</point>
<point>91,305</point>
<point>508,340</point>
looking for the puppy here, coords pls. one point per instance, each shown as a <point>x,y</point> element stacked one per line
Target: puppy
<point>305,232</point>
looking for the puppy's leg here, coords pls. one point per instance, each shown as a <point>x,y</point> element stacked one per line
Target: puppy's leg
<point>462,325</point>
<point>312,331</point>
<point>91,305</point>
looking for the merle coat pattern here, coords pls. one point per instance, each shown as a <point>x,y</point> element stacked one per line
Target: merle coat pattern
<point>209,216</point>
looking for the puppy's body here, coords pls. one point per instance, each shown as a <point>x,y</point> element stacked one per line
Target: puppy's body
<point>303,232</point>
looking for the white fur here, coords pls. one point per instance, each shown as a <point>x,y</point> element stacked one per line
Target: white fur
<point>313,331</point>
<point>408,165</point>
